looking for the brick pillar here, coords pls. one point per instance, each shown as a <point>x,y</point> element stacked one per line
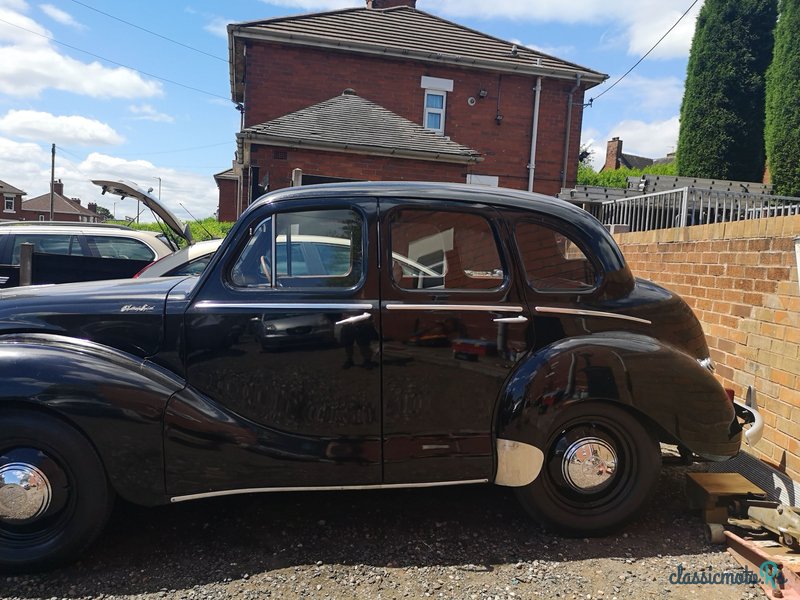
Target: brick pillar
<point>613,153</point>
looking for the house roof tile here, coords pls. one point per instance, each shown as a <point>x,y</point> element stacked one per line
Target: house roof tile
<point>61,204</point>
<point>6,188</point>
<point>352,123</point>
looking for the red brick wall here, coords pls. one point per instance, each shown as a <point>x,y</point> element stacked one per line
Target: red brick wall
<point>227,199</point>
<point>741,280</point>
<point>350,166</point>
<point>282,80</point>
<point>29,215</point>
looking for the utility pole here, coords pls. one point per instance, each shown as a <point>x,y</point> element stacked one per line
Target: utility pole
<point>52,182</point>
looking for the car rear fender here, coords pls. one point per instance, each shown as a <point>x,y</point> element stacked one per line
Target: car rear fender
<point>115,399</point>
<point>672,393</point>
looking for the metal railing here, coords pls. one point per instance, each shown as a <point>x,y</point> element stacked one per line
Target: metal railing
<point>684,207</point>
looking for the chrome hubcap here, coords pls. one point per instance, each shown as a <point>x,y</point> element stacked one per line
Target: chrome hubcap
<point>25,492</point>
<point>589,465</point>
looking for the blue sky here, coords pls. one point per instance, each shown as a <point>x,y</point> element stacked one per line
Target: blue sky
<point>121,102</point>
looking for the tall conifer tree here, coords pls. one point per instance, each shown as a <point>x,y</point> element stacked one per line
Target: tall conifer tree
<point>722,115</point>
<point>783,103</point>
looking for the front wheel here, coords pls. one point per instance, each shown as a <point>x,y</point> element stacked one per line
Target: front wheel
<point>600,467</point>
<point>54,495</point>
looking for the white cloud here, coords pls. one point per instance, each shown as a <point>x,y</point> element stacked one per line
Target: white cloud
<point>315,5</point>
<point>28,168</point>
<point>60,16</point>
<point>146,112</point>
<point>45,127</point>
<point>197,193</point>
<point>218,26</point>
<point>648,93</point>
<point>653,139</point>
<point>29,64</point>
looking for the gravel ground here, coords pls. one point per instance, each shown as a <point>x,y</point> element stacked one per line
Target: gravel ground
<point>467,542</point>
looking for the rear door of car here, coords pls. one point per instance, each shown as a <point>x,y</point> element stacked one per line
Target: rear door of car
<point>454,326</point>
<point>286,347</point>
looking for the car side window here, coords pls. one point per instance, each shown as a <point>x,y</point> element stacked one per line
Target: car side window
<point>304,249</point>
<point>444,250</point>
<point>111,246</point>
<point>552,261</point>
<point>48,244</point>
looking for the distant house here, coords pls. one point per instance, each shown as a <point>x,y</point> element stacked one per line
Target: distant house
<point>389,92</point>
<point>12,202</point>
<point>64,209</point>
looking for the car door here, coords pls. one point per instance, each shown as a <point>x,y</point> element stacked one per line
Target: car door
<point>453,329</point>
<point>281,351</point>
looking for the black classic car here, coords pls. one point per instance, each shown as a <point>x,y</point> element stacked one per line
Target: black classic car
<point>435,334</point>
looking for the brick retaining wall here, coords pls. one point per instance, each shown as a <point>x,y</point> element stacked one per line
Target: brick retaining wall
<point>741,280</point>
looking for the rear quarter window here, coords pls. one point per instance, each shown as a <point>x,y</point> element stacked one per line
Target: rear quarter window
<point>552,261</point>
<point>111,246</point>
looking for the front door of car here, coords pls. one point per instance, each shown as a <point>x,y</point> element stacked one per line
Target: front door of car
<point>281,345</point>
<point>453,328</point>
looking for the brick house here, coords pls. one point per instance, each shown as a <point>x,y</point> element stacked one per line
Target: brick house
<point>64,208</point>
<point>12,202</point>
<point>389,92</point>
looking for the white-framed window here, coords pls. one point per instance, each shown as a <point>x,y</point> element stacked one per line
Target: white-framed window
<point>41,217</point>
<point>435,102</point>
<point>8,204</point>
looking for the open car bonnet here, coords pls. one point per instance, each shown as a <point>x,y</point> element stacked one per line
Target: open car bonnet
<point>128,189</point>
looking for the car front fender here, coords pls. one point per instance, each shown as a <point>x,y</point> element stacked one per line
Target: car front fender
<point>116,400</point>
<point>669,390</point>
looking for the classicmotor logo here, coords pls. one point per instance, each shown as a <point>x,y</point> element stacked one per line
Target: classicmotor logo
<point>768,574</point>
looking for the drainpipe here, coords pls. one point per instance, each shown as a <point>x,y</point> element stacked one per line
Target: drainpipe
<point>569,127</point>
<point>534,132</point>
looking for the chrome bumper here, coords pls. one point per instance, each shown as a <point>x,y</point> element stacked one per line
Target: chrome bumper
<point>750,414</point>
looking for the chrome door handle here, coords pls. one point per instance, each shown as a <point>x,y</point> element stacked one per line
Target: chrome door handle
<point>517,319</point>
<point>356,319</point>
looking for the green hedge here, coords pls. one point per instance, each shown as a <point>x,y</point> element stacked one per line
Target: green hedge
<point>201,230</point>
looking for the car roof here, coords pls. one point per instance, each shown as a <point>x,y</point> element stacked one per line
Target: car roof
<point>450,192</point>
<point>568,214</point>
<point>50,225</point>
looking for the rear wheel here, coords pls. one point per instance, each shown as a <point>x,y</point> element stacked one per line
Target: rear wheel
<point>600,467</point>
<point>54,495</point>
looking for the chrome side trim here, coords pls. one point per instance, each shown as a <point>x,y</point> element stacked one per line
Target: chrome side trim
<point>326,488</point>
<point>465,307</point>
<point>589,313</point>
<point>282,305</point>
<point>518,464</point>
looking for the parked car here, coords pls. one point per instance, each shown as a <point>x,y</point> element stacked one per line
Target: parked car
<point>191,260</point>
<point>74,251</point>
<point>99,240</point>
<point>522,352</point>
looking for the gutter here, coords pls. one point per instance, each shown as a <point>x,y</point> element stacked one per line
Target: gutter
<point>360,149</point>
<point>534,132</point>
<point>569,129</point>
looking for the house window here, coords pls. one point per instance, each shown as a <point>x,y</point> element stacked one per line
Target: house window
<point>41,217</point>
<point>435,102</point>
<point>8,205</point>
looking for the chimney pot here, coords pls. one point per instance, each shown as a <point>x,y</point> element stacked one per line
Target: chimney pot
<point>391,3</point>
